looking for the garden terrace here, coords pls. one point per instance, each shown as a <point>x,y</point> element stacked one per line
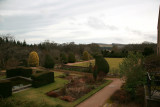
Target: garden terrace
<point>38,95</point>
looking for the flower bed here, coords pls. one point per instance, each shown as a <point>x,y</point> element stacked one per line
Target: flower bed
<point>78,87</point>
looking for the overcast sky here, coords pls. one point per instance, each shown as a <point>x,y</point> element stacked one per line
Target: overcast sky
<point>80,21</point>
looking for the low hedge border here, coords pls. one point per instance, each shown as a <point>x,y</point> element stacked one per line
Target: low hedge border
<point>75,68</point>
<point>5,88</point>
<point>42,78</point>
<point>19,71</point>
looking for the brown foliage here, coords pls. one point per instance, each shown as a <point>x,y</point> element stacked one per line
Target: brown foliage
<point>67,98</point>
<point>52,94</point>
<point>120,96</point>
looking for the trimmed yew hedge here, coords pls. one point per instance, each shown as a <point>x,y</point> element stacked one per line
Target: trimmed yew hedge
<point>41,79</point>
<point>19,71</point>
<point>5,88</point>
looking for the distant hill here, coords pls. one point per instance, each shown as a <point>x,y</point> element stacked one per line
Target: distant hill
<point>109,46</point>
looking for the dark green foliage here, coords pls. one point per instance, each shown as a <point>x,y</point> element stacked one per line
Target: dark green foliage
<point>64,58</point>
<point>95,73</point>
<point>101,64</point>
<point>19,71</point>
<point>49,62</point>
<point>131,68</point>
<point>75,68</point>
<point>113,54</point>
<point>5,88</point>
<point>71,58</point>
<point>148,51</point>
<point>152,63</point>
<point>90,68</point>
<point>43,78</point>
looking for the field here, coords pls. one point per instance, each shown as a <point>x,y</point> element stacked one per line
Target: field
<point>113,63</point>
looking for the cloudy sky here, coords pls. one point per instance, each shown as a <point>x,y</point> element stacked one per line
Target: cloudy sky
<point>81,21</point>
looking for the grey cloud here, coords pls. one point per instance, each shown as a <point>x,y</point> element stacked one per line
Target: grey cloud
<point>99,24</point>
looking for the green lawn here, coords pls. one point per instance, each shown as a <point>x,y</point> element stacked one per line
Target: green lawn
<point>2,77</point>
<point>113,63</point>
<point>37,95</point>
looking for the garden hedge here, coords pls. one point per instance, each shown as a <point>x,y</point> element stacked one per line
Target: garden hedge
<point>19,71</point>
<point>5,88</point>
<point>41,79</point>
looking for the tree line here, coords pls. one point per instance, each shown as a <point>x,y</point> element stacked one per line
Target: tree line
<point>14,52</point>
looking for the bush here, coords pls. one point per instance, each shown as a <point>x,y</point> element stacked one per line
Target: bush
<point>43,78</point>
<point>85,56</point>
<point>64,59</point>
<point>101,64</point>
<point>71,58</point>
<point>33,60</point>
<point>148,51</point>
<point>152,63</point>
<point>131,68</point>
<point>19,71</point>
<point>120,96</point>
<point>49,62</point>
<point>5,88</point>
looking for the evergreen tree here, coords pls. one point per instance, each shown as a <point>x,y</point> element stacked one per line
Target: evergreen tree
<point>49,62</point>
<point>71,58</point>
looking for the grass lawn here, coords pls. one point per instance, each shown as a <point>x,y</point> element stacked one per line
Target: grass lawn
<point>37,95</point>
<point>2,77</point>
<point>113,63</point>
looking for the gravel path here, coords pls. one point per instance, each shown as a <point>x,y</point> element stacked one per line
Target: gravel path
<point>78,62</point>
<point>99,99</point>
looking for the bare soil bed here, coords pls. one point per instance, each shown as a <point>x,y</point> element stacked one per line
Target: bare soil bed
<point>76,88</point>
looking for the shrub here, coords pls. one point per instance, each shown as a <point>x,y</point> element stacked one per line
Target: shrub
<point>71,58</point>
<point>152,63</point>
<point>49,62</point>
<point>101,64</point>
<point>90,68</point>
<point>95,72</point>
<point>85,56</point>
<point>148,51</point>
<point>19,71</point>
<point>64,59</point>
<point>5,88</point>
<point>43,78</point>
<point>120,96</point>
<point>33,60</point>
<point>131,68</point>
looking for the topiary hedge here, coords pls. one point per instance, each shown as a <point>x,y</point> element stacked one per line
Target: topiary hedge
<point>101,64</point>
<point>41,79</point>
<point>5,88</point>
<point>19,71</point>
<point>49,62</point>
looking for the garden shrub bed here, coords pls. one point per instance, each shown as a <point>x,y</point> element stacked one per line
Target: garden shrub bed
<point>78,87</point>
<point>5,88</point>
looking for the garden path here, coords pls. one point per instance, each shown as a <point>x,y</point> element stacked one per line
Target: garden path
<point>100,98</point>
<point>78,62</point>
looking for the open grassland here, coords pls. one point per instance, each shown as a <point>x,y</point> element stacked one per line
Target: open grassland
<point>113,63</point>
